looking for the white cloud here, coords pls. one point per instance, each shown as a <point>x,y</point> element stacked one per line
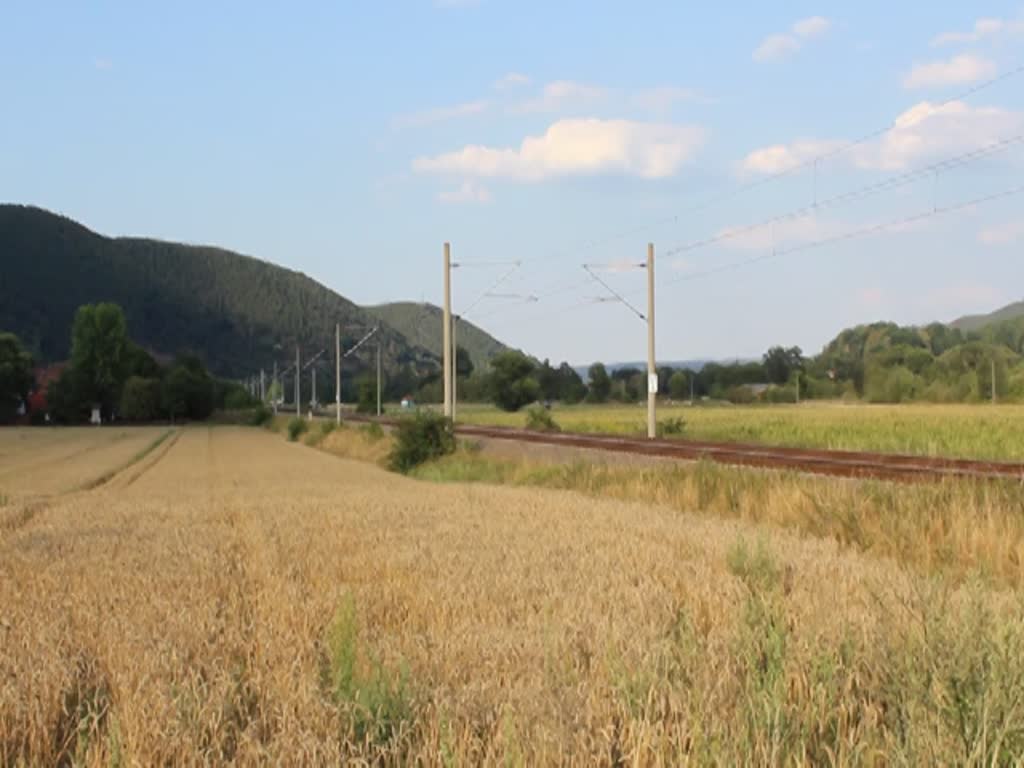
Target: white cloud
<point>468,192</point>
<point>511,80</point>
<point>780,45</point>
<point>441,114</point>
<point>812,27</point>
<point>983,29</point>
<point>928,131</point>
<point>1006,234</point>
<point>924,132</point>
<point>782,157</point>
<point>775,47</point>
<point>561,95</point>
<point>958,70</point>
<point>578,146</point>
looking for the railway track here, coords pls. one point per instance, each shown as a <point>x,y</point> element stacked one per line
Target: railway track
<point>822,462</point>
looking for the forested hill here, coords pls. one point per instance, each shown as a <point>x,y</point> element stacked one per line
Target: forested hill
<point>421,324</point>
<point>230,309</point>
<point>976,322</point>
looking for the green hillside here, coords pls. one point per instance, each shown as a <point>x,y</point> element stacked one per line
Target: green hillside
<point>977,322</point>
<point>421,324</point>
<point>232,310</point>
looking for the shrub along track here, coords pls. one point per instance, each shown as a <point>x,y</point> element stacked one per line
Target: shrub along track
<point>822,462</point>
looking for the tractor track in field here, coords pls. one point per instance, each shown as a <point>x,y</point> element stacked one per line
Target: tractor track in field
<point>152,456</point>
<point>26,510</point>
<point>856,464</point>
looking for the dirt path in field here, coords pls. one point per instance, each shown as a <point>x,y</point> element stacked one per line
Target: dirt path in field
<point>184,612</point>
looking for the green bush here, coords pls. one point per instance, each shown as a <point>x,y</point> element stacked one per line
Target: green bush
<point>424,437</point>
<point>237,398</point>
<point>511,383</point>
<point>540,419</point>
<point>671,426</point>
<point>367,402</point>
<point>261,415</point>
<point>296,427</point>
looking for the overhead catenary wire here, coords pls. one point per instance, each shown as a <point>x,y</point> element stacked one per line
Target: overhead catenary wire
<point>775,176</point>
<point>854,234</point>
<point>859,193</point>
<point>483,294</point>
<point>352,350</point>
<point>615,293</point>
<point>931,170</point>
<point>851,234</point>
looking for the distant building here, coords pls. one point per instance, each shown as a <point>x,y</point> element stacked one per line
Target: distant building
<point>757,390</point>
<point>44,376</point>
<point>408,402</point>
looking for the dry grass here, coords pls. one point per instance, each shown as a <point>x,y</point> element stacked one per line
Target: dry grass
<point>954,529</point>
<point>250,600</point>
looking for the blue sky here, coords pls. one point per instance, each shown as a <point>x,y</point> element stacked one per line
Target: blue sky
<point>350,140</point>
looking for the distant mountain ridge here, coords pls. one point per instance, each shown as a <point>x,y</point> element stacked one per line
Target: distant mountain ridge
<point>682,365</point>
<point>421,324</point>
<point>977,322</point>
<point>237,312</point>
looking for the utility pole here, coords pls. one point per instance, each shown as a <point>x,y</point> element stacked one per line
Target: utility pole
<point>378,377</point>
<point>652,373</point>
<point>798,387</point>
<point>263,386</point>
<point>693,377</point>
<point>455,367</point>
<point>298,383</point>
<point>337,372</point>
<point>274,386</point>
<point>993,361</point>
<point>312,375</point>
<point>446,324</point>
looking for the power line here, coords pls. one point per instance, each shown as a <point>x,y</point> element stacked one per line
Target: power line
<point>878,187</point>
<point>846,236</point>
<point>859,193</point>
<point>615,293</point>
<point>360,343</point>
<point>850,235</point>
<point>505,276</point>
<point>769,178</point>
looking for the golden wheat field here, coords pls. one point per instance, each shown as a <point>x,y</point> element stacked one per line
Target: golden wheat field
<point>41,462</point>
<point>232,597</point>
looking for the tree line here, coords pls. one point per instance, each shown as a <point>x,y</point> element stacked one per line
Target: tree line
<point>876,363</point>
<point>109,373</point>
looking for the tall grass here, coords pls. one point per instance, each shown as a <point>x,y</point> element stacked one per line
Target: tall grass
<point>968,431</point>
<point>956,527</point>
